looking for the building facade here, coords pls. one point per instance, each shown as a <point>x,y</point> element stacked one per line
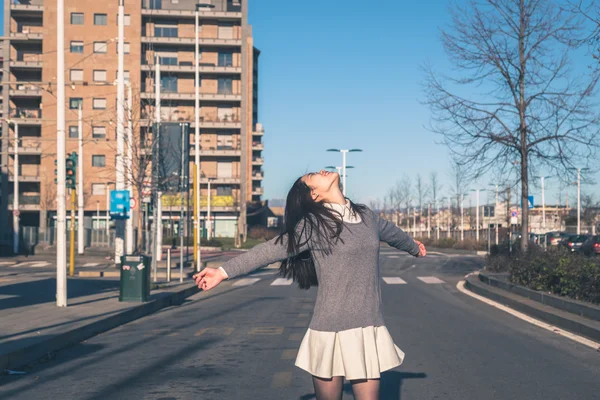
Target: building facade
<point>156,31</point>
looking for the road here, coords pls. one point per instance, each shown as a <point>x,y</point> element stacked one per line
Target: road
<point>239,342</point>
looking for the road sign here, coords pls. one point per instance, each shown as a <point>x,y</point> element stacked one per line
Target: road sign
<point>513,214</point>
<point>119,204</point>
<point>132,203</point>
<point>530,201</point>
<point>16,213</point>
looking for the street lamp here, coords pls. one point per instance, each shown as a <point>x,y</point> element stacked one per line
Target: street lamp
<point>344,152</point>
<point>495,211</point>
<point>579,197</point>
<point>477,214</point>
<point>107,206</point>
<point>338,169</point>
<point>199,6</point>
<point>543,201</point>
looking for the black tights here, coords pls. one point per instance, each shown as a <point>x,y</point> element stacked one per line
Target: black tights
<point>331,389</point>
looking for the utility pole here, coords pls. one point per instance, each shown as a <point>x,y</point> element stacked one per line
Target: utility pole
<point>477,217</point>
<point>156,222</point>
<point>462,217</point>
<point>197,186</point>
<point>429,220</point>
<point>80,201</point>
<point>449,216</point>
<point>72,236</point>
<point>209,231</point>
<point>16,211</point>
<point>183,186</point>
<point>129,223</point>
<point>61,249</point>
<point>578,201</point>
<point>120,179</point>
<point>437,218</point>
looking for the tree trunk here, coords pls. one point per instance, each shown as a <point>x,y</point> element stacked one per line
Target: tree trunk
<point>524,204</point>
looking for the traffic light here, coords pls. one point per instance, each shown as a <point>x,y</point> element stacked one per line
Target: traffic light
<point>71,171</point>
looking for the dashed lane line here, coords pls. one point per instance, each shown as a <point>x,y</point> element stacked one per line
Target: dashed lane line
<point>246,282</point>
<point>394,280</point>
<point>430,280</point>
<point>282,282</point>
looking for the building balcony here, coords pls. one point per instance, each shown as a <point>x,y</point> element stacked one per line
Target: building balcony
<point>27,116</point>
<point>191,96</point>
<point>204,68</point>
<point>216,152</point>
<point>25,7</point>
<point>26,37</point>
<point>257,176</point>
<point>258,161</point>
<point>190,14</point>
<point>258,191</point>
<point>257,146</point>
<point>204,124</point>
<point>26,65</point>
<point>192,41</point>
<point>25,90</point>
<point>27,148</point>
<point>233,180</point>
<point>27,202</point>
<point>259,130</point>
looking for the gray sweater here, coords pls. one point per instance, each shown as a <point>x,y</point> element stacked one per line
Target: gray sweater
<point>349,292</point>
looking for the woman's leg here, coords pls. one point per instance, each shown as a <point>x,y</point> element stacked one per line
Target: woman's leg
<point>366,389</point>
<point>328,389</point>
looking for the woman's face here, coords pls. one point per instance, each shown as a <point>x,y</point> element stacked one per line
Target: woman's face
<point>321,184</point>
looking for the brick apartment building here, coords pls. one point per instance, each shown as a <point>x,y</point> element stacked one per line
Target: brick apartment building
<point>163,30</point>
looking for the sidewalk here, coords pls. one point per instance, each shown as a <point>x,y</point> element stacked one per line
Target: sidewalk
<point>34,327</point>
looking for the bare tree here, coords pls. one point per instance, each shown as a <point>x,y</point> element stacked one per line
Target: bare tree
<point>516,105</point>
<point>422,192</point>
<point>434,187</point>
<point>457,175</point>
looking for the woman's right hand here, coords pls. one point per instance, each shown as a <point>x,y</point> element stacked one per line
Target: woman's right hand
<point>208,278</point>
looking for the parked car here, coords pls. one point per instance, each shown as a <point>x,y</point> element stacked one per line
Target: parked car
<point>554,238</point>
<point>574,242</point>
<point>591,246</point>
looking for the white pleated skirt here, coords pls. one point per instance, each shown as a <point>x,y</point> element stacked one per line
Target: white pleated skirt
<point>359,353</point>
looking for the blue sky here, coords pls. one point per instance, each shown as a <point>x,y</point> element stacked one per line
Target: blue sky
<point>347,75</point>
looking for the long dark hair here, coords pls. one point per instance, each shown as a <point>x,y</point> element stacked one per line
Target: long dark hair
<point>305,220</point>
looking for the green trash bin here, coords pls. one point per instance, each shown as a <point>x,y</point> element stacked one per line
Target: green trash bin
<point>135,278</point>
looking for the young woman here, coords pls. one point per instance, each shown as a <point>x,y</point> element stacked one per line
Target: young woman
<point>333,243</point>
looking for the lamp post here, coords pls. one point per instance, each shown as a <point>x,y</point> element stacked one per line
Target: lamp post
<point>338,169</point>
<point>197,234</point>
<point>579,198</point>
<point>477,214</point>
<point>16,217</point>
<point>495,216</point>
<point>344,152</point>
<point>543,178</point>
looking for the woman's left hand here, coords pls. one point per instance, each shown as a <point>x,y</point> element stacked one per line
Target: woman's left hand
<point>422,249</point>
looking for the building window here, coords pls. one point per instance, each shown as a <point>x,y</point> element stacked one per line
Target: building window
<point>76,75</point>
<point>225,30</point>
<point>167,58</point>
<point>126,48</point>
<point>165,30</point>
<point>225,86</point>
<point>155,4</point>
<point>168,84</point>
<point>99,132</point>
<point>99,104</point>
<point>75,102</point>
<point>225,59</point>
<point>100,47</point>
<point>98,189</point>
<point>224,191</point>
<point>99,19</point>
<point>98,161</point>
<point>76,18</point>
<point>126,20</point>
<point>76,47</point>
<point>73,132</point>
<point>100,75</point>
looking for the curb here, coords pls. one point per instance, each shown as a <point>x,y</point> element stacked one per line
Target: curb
<point>24,356</point>
<point>559,318</point>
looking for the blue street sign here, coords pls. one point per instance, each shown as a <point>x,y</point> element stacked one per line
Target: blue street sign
<point>514,214</point>
<point>119,204</point>
<point>529,202</point>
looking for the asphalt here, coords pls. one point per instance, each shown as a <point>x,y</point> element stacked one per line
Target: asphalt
<point>240,343</point>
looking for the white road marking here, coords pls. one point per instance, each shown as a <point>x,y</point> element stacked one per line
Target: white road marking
<point>430,279</point>
<point>394,280</point>
<point>282,282</point>
<point>91,265</point>
<point>393,256</point>
<point>2,263</point>
<point>246,282</point>
<point>40,264</point>
<point>579,339</point>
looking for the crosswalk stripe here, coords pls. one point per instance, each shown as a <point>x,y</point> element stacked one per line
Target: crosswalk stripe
<point>430,279</point>
<point>91,265</point>
<point>40,264</point>
<point>394,280</point>
<point>246,282</point>
<point>393,256</point>
<point>282,282</point>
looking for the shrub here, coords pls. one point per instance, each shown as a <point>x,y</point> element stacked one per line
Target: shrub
<point>556,271</point>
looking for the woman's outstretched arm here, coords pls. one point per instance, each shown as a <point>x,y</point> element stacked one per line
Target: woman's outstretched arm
<point>396,237</point>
